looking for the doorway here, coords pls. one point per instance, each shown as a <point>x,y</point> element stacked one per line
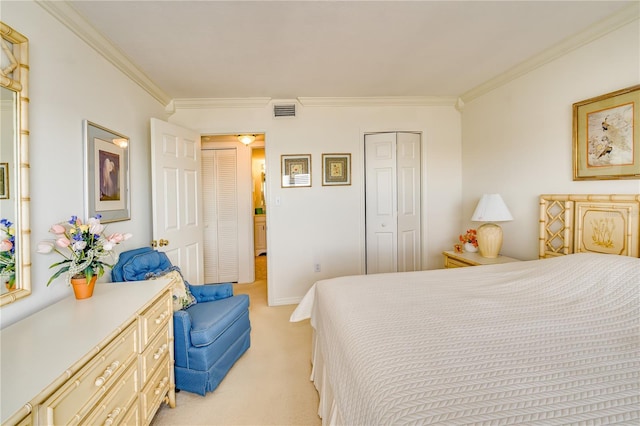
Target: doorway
<point>250,164</point>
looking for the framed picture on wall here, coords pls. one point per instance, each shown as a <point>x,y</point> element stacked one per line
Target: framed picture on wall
<point>606,136</point>
<point>336,169</point>
<point>4,181</point>
<point>106,173</point>
<point>296,170</point>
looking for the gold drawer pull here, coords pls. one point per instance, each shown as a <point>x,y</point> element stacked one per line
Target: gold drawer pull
<point>108,372</point>
<point>161,386</point>
<point>111,417</point>
<point>160,351</point>
<point>161,317</point>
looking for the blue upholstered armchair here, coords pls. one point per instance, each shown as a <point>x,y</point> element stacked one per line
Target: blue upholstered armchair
<point>210,335</point>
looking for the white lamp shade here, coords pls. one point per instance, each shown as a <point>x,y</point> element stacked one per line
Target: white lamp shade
<point>491,208</point>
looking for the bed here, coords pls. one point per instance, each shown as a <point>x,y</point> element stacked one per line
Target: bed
<point>548,341</point>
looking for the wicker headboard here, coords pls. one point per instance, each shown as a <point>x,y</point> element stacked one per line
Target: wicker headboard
<point>573,223</point>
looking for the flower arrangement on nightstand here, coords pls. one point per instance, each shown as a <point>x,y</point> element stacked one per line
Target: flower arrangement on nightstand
<point>469,240</point>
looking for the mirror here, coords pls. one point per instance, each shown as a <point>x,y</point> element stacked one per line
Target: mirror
<point>15,248</point>
<point>259,177</point>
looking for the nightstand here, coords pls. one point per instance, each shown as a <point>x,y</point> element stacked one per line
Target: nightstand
<point>460,260</point>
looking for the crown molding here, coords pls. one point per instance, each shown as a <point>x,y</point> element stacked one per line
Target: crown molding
<point>69,17</point>
<point>623,17</point>
<point>197,103</point>
<point>378,101</point>
<point>204,103</point>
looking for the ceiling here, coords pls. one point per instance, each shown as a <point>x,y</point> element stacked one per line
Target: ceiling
<point>291,49</point>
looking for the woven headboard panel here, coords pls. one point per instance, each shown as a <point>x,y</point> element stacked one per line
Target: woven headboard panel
<point>601,223</point>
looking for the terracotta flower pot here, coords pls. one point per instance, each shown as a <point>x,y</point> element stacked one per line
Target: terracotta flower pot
<point>82,289</point>
<point>9,282</point>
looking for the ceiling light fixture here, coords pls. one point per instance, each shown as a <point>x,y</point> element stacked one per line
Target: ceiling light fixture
<point>246,139</point>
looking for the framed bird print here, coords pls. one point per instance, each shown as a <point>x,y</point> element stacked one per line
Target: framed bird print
<point>606,136</point>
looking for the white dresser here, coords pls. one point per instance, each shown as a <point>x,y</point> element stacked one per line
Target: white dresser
<point>106,360</point>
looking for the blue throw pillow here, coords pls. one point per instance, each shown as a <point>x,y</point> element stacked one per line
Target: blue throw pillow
<point>182,297</point>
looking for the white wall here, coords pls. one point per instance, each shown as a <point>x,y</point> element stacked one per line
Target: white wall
<point>326,224</point>
<point>70,82</point>
<point>517,139</point>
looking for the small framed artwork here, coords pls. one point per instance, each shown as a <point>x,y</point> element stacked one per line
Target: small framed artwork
<point>296,170</point>
<point>4,181</point>
<point>336,169</point>
<point>606,136</point>
<point>106,173</point>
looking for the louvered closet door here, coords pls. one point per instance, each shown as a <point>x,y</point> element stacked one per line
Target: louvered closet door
<point>220,211</point>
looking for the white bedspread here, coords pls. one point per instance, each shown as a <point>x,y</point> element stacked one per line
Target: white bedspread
<point>553,341</point>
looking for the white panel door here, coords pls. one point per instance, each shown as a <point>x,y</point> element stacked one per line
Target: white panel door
<point>175,186</point>
<point>219,177</point>
<point>392,168</point>
<point>381,202</point>
<point>409,212</point>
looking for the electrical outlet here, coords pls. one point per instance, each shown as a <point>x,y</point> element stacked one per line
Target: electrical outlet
<point>316,267</point>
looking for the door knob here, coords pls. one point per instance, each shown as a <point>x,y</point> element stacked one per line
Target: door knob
<point>154,244</point>
<point>163,242</point>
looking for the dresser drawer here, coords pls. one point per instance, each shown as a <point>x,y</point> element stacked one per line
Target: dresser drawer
<point>112,409</point>
<point>154,318</point>
<point>155,390</point>
<point>454,263</point>
<point>154,355</point>
<point>71,403</point>
<point>132,416</point>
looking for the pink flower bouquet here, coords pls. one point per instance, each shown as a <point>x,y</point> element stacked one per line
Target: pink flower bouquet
<point>84,247</point>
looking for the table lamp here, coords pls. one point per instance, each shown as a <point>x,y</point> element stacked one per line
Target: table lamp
<point>491,208</point>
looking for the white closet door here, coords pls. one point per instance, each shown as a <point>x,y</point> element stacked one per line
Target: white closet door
<point>392,168</point>
<point>381,203</point>
<point>408,172</point>
<point>220,215</point>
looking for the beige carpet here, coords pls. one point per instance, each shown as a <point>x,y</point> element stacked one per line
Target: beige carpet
<point>269,385</point>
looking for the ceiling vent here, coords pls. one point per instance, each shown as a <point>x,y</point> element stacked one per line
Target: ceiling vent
<point>284,110</point>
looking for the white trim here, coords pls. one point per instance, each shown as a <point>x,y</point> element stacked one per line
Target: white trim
<point>379,101</point>
<point>285,300</point>
<point>198,103</point>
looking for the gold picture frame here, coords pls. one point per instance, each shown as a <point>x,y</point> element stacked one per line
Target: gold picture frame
<point>606,136</point>
<point>296,170</point>
<point>336,169</point>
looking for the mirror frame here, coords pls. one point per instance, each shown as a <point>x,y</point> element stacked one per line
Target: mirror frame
<point>18,82</point>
